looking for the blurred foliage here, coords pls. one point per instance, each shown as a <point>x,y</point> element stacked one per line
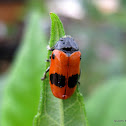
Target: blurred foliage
<point>107,105</point>
<point>104,59</point>
<point>123,3</point>
<point>37,5</point>
<point>22,92</point>
<point>92,11</point>
<point>2,82</point>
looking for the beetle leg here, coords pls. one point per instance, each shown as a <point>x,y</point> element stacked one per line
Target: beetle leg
<point>78,82</point>
<point>48,60</point>
<point>50,49</point>
<point>47,70</point>
<point>79,77</point>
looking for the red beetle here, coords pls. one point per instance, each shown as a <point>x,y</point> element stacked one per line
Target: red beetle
<point>64,70</point>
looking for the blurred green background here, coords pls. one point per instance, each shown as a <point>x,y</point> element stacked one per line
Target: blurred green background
<point>99,28</point>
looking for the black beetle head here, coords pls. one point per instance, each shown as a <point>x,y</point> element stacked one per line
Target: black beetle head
<point>67,45</point>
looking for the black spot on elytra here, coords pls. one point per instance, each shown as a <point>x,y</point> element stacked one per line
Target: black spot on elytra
<point>53,56</point>
<point>72,81</point>
<point>58,80</point>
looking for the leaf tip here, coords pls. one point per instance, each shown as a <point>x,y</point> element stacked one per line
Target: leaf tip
<point>51,13</point>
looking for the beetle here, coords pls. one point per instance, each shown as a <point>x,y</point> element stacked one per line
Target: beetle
<point>64,70</point>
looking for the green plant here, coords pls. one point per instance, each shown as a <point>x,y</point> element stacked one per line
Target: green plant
<point>106,107</point>
<point>22,91</point>
<point>53,111</point>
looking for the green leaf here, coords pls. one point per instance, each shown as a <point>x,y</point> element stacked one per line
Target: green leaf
<point>108,104</point>
<point>57,30</point>
<point>23,88</point>
<point>53,111</point>
<point>36,5</point>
